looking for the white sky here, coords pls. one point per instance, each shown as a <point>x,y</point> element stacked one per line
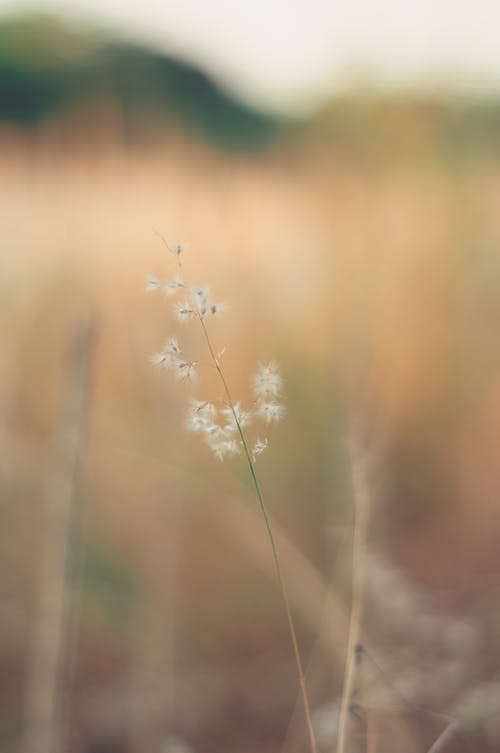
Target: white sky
<point>288,53</point>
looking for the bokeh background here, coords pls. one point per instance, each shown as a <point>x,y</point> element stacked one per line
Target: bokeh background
<point>336,175</point>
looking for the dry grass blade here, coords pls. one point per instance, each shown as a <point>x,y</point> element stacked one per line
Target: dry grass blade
<point>44,724</point>
<point>446,735</point>
<point>361,501</point>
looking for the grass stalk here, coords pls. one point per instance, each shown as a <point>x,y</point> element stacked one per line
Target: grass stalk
<point>361,503</point>
<point>445,736</point>
<point>46,704</point>
<point>277,563</point>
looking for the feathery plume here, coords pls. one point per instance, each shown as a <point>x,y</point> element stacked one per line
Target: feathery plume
<point>153,283</point>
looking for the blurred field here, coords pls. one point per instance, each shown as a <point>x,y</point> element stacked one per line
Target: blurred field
<point>363,252</point>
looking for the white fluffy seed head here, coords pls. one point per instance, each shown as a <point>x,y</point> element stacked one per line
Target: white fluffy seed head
<point>172,347</point>
<point>217,433</point>
<point>172,286</point>
<point>259,447</point>
<point>271,412</point>
<point>195,422</point>
<point>267,383</point>
<point>201,417</point>
<point>201,408</point>
<point>185,371</point>
<point>184,311</point>
<point>225,448</point>
<point>161,359</point>
<point>201,302</point>
<point>153,283</point>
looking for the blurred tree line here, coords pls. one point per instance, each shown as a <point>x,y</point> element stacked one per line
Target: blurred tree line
<point>47,67</point>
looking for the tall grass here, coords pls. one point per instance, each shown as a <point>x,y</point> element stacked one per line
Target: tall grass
<point>267,388</point>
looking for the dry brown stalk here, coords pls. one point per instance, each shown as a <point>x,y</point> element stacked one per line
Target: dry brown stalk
<point>44,719</point>
<point>361,504</point>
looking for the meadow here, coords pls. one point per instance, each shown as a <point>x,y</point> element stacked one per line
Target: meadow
<point>137,596</point>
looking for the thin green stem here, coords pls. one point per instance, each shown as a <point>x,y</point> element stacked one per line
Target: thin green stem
<point>267,522</point>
